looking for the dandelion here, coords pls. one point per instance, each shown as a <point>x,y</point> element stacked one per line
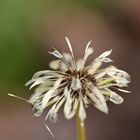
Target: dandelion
<point>76,85</point>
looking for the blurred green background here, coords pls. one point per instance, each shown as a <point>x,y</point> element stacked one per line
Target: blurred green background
<point>28,29</point>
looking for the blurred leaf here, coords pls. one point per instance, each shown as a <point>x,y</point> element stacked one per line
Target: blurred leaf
<point>17,56</point>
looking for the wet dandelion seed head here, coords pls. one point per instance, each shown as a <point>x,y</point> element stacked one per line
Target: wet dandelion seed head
<point>76,85</point>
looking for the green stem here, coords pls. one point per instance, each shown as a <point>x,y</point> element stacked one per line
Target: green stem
<point>81,134</point>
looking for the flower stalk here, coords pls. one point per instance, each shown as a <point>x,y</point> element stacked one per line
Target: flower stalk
<point>81,130</point>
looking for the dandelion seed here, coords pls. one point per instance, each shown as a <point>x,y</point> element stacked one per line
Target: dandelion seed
<point>21,98</point>
<point>48,129</point>
<point>76,85</point>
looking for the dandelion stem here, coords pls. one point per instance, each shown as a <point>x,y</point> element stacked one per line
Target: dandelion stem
<point>81,134</point>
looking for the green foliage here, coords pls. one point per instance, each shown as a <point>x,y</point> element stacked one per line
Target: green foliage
<point>16,51</point>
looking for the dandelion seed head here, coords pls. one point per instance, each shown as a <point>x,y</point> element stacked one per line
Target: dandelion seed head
<point>76,84</point>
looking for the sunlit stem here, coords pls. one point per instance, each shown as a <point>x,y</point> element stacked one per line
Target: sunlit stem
<point>81,134</point>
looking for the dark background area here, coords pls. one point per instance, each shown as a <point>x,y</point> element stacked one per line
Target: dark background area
<point>28,29</point>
